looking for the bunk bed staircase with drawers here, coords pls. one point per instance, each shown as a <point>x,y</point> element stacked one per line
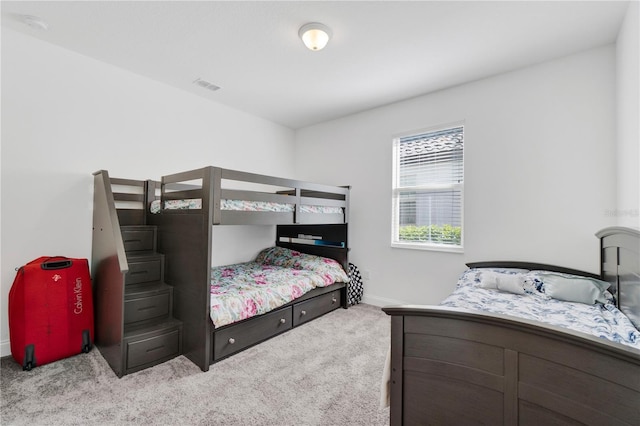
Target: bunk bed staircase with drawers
<point>135,327</point>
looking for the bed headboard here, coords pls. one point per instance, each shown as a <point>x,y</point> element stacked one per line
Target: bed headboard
<point>620,266</point>
<point>532,266</point>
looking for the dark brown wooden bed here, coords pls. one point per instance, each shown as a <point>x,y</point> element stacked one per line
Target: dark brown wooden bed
<point>135,332</point>
<point>452,366</point>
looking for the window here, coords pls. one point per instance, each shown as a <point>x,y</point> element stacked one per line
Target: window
<point>428,189</point>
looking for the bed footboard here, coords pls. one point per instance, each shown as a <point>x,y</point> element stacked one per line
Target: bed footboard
<point>450,366</point>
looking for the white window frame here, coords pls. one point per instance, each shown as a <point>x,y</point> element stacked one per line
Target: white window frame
<point>397,190</point>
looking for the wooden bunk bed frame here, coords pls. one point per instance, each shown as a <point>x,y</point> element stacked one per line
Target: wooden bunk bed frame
<point>184,239</point>
<point>132,245</point>
<point>454,366</point>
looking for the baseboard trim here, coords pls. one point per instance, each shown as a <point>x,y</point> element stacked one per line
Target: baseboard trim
<point>5,348</point>
<point>380,301</point>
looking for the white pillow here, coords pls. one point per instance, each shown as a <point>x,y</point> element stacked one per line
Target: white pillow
<point>574,288</point>
<point>489,279</point>
<point>511,283</point>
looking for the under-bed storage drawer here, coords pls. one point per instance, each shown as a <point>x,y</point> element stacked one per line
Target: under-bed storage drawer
<point>313,308</point>
<point>238,337</point>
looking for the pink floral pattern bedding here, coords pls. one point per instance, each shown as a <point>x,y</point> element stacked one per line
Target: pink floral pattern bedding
<point>275,278</point>
<point>243,205</point>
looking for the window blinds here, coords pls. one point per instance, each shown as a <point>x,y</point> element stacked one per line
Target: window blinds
<point>428,188</point>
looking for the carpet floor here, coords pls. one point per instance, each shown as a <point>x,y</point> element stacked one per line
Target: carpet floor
<point>326,372</point>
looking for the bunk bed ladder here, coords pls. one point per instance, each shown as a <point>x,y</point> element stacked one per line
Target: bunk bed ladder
<point>135,328</point>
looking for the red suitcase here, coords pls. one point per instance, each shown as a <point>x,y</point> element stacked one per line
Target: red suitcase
<point>50,311</point>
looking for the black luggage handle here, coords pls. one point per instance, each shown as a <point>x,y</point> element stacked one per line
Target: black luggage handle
<point>57,264</point>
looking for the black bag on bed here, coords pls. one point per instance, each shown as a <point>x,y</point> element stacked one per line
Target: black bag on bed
<point>354,292</point>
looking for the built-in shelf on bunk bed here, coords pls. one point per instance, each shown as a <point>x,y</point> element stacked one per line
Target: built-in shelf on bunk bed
<point>182,209</point>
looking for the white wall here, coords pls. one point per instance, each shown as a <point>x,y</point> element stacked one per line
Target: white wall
<point>65,116</point>
<point>628,110</point>
<point>539,173</point>
<point>540,159</point>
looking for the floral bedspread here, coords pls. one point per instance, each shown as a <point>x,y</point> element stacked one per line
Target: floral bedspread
<point>275,278</point>
<point>244,205</point>
<point>601,320</point>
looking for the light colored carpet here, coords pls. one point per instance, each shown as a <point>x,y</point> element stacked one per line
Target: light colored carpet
<point>326,372</point>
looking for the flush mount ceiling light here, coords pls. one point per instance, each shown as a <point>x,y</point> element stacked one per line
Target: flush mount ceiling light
<point>315,35</point>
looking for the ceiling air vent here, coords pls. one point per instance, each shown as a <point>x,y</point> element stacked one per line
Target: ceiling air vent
<point>203,83</point>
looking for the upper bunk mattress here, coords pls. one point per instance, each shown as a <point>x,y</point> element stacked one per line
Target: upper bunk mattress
<point>551,298</point>
<point>244,205</point>
<point>276,277</point>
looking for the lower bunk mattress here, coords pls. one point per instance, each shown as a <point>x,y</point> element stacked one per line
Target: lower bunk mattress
<point>276,277</point>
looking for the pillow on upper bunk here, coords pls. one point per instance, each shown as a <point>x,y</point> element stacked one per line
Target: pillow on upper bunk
<point>329,269</point>
<point>155,207</point>
<point>574,288</point>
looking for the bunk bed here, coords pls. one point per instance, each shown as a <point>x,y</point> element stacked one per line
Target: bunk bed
<point>310,223</point>
<point>459,363</point>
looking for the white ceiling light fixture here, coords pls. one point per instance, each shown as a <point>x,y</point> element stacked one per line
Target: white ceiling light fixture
<point>315,35</point>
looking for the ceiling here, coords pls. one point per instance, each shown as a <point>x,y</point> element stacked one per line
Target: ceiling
<point>381,51</point>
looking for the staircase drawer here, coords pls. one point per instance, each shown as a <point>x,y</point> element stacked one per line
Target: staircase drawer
<point>153,349</point>
<point>138,239</point>
<point>144,271</point>
<point>313,308</point>
<point>235,338</point>
<point>146,308</point>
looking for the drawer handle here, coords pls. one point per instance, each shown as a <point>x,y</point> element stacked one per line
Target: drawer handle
<point>303,312</point>
<point>333,300</point>
<point>146,308</point>
<point>231,340</point>
<point>282,320</point>
<point>138,272</point>
<point>155,349</point>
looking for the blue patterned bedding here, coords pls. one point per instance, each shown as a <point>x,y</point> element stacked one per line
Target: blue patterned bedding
<point>534,295</point>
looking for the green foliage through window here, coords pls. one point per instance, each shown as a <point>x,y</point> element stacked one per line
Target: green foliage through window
<point>445,234</point>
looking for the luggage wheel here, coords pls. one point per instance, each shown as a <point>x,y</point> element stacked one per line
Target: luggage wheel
<point>86,341</point>
<point>29,359</point>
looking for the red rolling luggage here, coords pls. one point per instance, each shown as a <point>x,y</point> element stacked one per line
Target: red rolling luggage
<point>50,311</point>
